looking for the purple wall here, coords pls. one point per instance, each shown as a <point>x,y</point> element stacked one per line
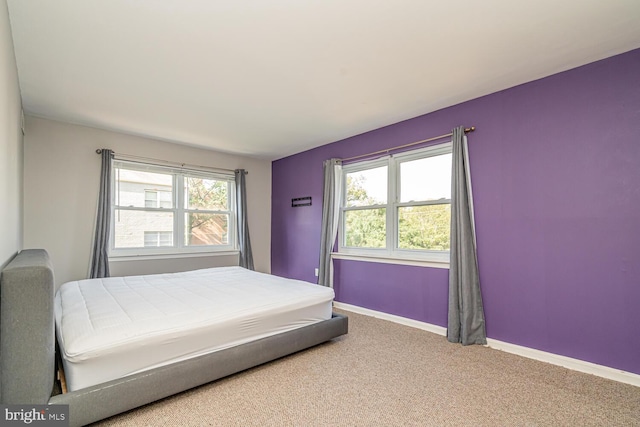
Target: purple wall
<point>556,177</point>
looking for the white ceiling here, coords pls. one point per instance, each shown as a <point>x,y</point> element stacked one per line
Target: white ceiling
<point>270,78</point>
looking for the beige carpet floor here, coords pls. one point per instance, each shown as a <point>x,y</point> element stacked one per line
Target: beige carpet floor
<point>385,374</point>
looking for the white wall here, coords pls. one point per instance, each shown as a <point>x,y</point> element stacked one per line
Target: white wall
<point>10,145</point>
<point>61,180</point>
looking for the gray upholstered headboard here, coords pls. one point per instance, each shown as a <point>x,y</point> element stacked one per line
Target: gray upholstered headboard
<point>27,329</point>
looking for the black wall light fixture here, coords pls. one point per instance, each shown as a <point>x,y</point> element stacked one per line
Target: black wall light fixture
<point>301,201</point>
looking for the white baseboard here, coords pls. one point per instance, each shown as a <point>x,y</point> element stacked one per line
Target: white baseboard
<point>392,317</point>
<point>530,353</point>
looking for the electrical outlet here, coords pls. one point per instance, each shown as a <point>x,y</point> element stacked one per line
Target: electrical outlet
<point>316,272</point>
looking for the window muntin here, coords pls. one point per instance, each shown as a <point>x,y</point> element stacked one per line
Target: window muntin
<point>409,216</point>
<point>159,210</point>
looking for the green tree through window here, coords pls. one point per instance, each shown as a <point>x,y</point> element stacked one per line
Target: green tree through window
<point>365,228</point>
<point>210,227</point>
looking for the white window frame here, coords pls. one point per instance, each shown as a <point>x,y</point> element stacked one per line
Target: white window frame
<point>179,210</point>
<point>391,253</point>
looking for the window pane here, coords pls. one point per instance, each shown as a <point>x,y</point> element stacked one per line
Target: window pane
<point>206,229</point>
<point>207,194</point>
<point>150,199</point>
<point>366,228</point>
<point>367,187</point>
<point>132,226</point>
<point>166,200</point>
<point>424,227</point>
<point>166,238</point>
<point>139,189</point>
<point>158,238</point>
<point>426,179</point>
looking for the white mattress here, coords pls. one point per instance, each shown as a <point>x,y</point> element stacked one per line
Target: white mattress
<point>110,328</point>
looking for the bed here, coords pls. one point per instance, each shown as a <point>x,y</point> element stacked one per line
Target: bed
<point>149,340</point>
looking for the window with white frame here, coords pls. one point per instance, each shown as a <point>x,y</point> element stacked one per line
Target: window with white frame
<point>160,210</point>
<point>398,207</point>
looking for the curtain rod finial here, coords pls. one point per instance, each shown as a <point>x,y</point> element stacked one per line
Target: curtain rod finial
<point>99,151</point>
<point>471,129</point>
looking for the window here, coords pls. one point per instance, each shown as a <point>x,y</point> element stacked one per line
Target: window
<point>398,207</point>
<point>160,210</point>
<point>157,199</point>
<point>158,238</point>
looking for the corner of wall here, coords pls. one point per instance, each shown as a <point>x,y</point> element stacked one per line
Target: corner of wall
<point>11,145</point>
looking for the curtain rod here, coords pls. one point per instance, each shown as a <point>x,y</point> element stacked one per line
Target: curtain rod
<point>141,159</point>
<point>466,130</point>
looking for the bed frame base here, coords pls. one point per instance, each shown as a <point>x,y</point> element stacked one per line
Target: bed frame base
<point>104,400</point>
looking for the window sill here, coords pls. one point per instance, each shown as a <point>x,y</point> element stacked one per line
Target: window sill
<point>145,257</point>
<point>390,260</point>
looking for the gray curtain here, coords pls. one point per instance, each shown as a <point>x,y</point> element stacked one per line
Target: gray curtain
<point>244,242</point>
<point>99,254</point>
<point>330,217</point>
<point>466,313</point>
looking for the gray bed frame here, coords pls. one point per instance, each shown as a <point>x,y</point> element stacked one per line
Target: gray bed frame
<point>27,351</point>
